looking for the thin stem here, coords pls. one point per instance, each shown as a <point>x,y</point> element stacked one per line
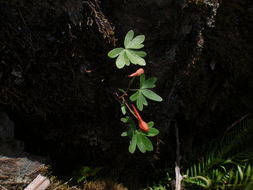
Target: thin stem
<point>179,177</point>
<point>133,89</point>
<point>130,83</point>
<point>123,101</point>
<point>132,112</point>
<point>128,87</point>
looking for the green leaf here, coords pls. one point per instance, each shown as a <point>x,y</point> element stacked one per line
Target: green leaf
<point>152,132</point>
<point>142,80</point>
<point>147,143</point>
<point>127,60</point>
<point>139,103</point>
<point>121,60</point>
<point>123,109</point>
<point>150,83</point>
<point>151,124</point>
<point>134,96</point>
<point>124,134</point>
<point>136,42</point>
<point>124,120</point>
<point>121,90</point>
<point>140,143</point>
<point>135,59</point>
<point>240,172</point>
<point>143,100</point>
<point>133,143</point>
<point>128,38</point>
<point>139,53</point>
<point>151,95</point>
<point>115,52</point>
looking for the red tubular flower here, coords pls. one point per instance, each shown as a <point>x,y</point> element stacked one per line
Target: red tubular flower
<point>142,124</point>
<point>137,73</point>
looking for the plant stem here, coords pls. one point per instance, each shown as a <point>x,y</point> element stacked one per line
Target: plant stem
<point>179,177</point>
<point>130,83</point>
<point>122,100</point>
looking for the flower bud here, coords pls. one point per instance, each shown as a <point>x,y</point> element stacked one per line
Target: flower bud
<point>142,124</point>
<point>137,73</point>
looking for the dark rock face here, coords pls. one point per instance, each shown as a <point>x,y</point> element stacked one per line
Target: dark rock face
<point>58,84</point>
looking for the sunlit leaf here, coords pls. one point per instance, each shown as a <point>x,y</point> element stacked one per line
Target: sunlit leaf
<point>128,38</point>
<point>124,120</point>
<point>139,53</point>
<point>135,43</point>
<point>135,59</point>
<point>123,109</point>
<point>115,52</point>
<point>121,60</point>
<point>124,134</point>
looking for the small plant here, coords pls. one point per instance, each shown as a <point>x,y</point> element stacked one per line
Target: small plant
<point>138,135</point>
<point>86,173</point>
<point>130,54</point>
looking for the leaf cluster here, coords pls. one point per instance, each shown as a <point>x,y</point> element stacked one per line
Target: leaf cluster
<point>144,92</point>
<point>139,138</point>
<point>228,163</point>
<point>129,54</point>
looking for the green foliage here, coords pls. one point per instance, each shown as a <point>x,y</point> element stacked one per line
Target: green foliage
<point>125,56</point>
<point>216,173</point>
<point>129,54</point>
<point>144,92</point>
<point>139,138</point>
<point>162,184</point>
<point>86,173</point>
<point>227,163</point>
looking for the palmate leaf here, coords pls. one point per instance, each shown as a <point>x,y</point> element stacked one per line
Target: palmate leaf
<point>129,54</point>
<point>141,94</point>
